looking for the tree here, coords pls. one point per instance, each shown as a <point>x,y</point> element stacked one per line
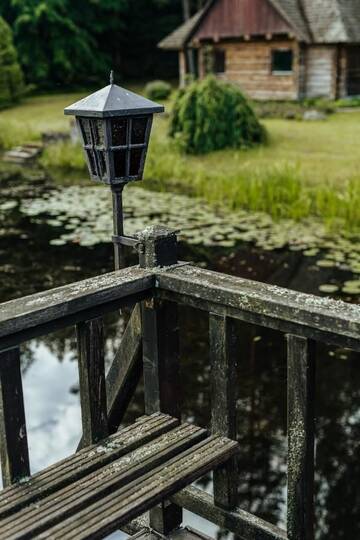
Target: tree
<point>67,43</point>
<point>11,77</point>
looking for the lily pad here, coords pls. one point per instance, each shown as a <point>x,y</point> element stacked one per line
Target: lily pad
<point>352,287</point>
<point>325,263</point>
<point>328,288</point>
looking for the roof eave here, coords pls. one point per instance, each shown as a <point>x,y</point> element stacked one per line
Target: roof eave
<point>301,36</point>
<point>166,44</point>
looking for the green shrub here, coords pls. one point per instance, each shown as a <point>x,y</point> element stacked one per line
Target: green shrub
<point>212,115</point>
<point>353,101</point>
<point>324,105</point>
<point>11,77</point>
<point>156,90</point>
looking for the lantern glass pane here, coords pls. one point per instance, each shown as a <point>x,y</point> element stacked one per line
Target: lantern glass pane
<point>135,161</point>
<point>120,163</point>
<point>138,130</point>
<point>98,126</point>
<point>85,130</point>
<point>119,131</point>
<point>102,163</point>
<point>91,159</point>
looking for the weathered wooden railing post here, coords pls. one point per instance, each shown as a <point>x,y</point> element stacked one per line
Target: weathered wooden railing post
<point>13,436</point>
<point>90,340</point>
<point>301,427</point>
<point>158,248</point>
<point>223,356</point>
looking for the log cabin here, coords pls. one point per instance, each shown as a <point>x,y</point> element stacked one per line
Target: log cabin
<point>274,49</point>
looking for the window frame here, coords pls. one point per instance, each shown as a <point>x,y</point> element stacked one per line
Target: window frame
<point>217,51</point>
<point>282,72</point>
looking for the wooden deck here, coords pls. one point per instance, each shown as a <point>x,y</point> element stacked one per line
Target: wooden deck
<point>116,476</point>
<point>102,487</point>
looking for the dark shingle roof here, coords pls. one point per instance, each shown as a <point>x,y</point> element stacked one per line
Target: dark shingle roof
<point>317,21</point>
<point>333,21</point>
<point>178,39</point>
<point>291,10</point>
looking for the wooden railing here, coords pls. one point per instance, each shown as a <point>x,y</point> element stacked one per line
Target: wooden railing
<point>156,288</point>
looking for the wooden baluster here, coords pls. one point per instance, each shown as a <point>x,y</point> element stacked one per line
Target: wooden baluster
<point>161,354</point>
<point>301,427</point>
<point>223,356</point>
<point>13,437</point>
<point>90,339</point>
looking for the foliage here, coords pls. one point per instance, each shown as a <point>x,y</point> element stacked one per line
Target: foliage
<point>157,90</point>
<point>306,169</point>
<point>212,115</point>
<point>11,77</point>
<point>324,105</point>
<point>62,42</point>
<point>348,102</point>
<point>65,156</point>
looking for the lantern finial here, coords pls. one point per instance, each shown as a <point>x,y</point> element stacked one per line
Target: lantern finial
<point>111,77</point>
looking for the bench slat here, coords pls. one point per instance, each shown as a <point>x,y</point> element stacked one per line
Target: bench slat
<point>84,462</point>
<point>123,504</point>
<point>55,508</point>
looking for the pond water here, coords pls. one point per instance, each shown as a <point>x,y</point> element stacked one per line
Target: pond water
<point>48,238</point>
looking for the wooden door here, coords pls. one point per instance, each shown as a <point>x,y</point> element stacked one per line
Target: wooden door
<point>353,71</point>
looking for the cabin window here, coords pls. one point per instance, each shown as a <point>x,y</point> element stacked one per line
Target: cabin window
<point>219,61</point>
<point>282,61</point>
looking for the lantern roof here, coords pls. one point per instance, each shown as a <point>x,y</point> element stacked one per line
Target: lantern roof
<point>112,100</point>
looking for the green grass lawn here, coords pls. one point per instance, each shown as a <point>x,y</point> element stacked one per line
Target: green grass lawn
<point>34,116</point>
<point>307,168</point>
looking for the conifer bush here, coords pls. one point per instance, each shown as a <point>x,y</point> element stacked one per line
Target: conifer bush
<point>157,90</point>
<point>11,76</point>
<point>212,115</point>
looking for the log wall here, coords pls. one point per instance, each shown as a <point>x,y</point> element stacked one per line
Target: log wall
<point>321,71</point>
<point>248,64</point>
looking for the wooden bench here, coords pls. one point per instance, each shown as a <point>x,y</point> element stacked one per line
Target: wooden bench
<point>92,493</point>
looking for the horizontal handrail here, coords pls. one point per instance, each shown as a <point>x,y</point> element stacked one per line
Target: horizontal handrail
<point>41,313</point>
<point>323,319</point>
<point>258,303</point>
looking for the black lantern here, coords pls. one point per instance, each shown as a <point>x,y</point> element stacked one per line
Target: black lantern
<point>115,126</point>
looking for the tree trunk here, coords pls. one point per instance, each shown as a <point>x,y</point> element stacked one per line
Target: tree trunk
<point>189,52</point>
<point>186,9</point>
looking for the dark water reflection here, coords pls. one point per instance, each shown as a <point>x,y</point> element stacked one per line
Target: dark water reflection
<point>28,264</point>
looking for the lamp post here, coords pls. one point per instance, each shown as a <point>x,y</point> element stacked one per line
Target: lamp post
<point>115,126</point>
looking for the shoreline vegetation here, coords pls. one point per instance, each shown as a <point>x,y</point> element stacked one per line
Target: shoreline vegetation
<point>306,168</point>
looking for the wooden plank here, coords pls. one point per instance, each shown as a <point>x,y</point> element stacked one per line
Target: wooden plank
<point>43,312</point>
<point>161,354</point>
<point>86,461</point>
<point>268,304</point>
<point>244,525</point>
<point>301,427</point>
<point>125,503</point>
<point>125,371</point>
<point>183,533</point>
<point>223,357</point>
<point>259,319</point>
<point>75,497</point>
<point>13,437</point>
<point>90,341</point>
